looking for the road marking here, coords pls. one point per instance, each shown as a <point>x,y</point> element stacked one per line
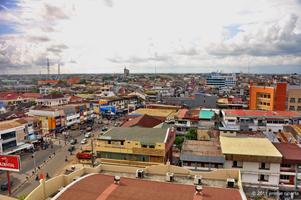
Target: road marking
<point>105,194</point>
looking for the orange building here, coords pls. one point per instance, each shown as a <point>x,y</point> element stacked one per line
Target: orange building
<point>268,98</point>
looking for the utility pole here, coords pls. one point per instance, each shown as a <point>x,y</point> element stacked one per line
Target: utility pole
<point>92,148</point>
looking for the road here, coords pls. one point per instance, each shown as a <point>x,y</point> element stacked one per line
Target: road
<point>51,161</point>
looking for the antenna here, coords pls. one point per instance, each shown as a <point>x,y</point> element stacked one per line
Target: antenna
<point>58,71</point>
<point>48,69</point>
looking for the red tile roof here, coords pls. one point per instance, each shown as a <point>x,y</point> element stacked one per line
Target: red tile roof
<point>14,95</point>
<point>291,152</point>
<point>262,113</point>
<point>99,186</point>
<point>143,121</point>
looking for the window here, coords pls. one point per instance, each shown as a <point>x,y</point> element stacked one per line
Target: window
<point>9,135</point>
<point>292,108</point>
<point>144,146</point>
<point>284,177</point>
<point>292,100</point>
<point>264,178</point>
<point>299,108</point>
<point>109,142</point>
<point>265,166</point>
<point>286,165</point>
<point>237,164</point>
<point>152,146</point>
<point>299,100</point>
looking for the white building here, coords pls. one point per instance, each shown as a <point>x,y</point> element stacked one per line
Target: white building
<point>257,158</point>
<point>221,80</point>
<point>52,100</point>
<point>257,120</point>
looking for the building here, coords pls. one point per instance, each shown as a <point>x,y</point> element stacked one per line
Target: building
<point>113,182</point>
<point>126,72</point>
<point>294,98</point>
<point>13,135</point>
<point>145,121</point>
<point>196,101</point>
<point>290,168</point>
<point>201,155</point>
<point>257,158</point>
<point>218,80</point>
<point>136,146</point>
<point>52,100</point>
<point>268,98</point>
<point>257,120</point>
<point>52,120</point>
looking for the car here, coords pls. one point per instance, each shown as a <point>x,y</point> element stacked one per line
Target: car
<point>89,128</point>
<point>105,128</point>
<point>88,135</point>
<point>73,141</point>
<point>4,186</point>
<point>84,141</point>
<point>71,148</point>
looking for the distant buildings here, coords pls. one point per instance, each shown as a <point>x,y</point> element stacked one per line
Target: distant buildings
<point>136,146</point>
<point>257,120</point>
<point>294,98</point>
<point>218,80</point>
<point>126,72</point>
<point>52,100</point>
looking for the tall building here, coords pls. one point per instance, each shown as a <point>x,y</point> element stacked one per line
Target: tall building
<point>126,72</point>
<point>268,98</point>
<point>221,80</point>
<point>294,98</point>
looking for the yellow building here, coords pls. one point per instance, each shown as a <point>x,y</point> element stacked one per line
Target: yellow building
<point>294,98</point>
<point>136,146</point>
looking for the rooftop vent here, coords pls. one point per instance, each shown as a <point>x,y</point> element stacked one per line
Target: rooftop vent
<point>169,177</point>
<point>140,173</point>
<point>230,182</point>
<point>197,180</point>
<point>199,189</point>
<point>116,179</point>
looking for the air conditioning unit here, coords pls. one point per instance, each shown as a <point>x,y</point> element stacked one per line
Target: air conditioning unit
<point>169,177</point>
<point>198,189</point>
<point>139,173</point>
<point>197,180</point>
<point>116,179</point>
<point>230,182</point>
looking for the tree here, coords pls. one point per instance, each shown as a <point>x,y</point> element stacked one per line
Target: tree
<point>179,141</point>
<point>191,134</point>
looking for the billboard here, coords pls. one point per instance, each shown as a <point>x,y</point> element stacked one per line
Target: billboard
<point>10,163</point>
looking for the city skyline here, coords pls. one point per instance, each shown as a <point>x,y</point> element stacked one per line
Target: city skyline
<point>103,36</point>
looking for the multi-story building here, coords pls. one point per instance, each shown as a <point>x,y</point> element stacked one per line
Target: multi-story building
<point>52,119</point>
<point>221,80</point>
<point>52,100</point>
<point>257,158</point>
<point>136,146</point>
<point>13,134</point>
<point>257,120</point>
<point>294,98</point>
<point>268,98</point>
<point>290,168</point>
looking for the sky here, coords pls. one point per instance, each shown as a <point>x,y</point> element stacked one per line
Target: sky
<point>169,36</point>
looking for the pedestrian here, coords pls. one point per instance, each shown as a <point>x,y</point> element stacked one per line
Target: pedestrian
<point>66,159</point>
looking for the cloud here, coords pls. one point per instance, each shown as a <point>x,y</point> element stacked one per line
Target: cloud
<point>108,3</point>
<point>54,13</point>
<point>57,48</point>
<point>269,39</point>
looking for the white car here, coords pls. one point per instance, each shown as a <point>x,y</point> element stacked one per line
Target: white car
<point>84,141</point>
<point>88,135</point>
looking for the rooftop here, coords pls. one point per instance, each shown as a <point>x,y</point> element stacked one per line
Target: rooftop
<point>144,135</point>
<point>249,146</point>
<point>291,152</point>
<point>101,187</point>
<point>262,113</point>
<point>202,151</point>
<point>11,124</point>
<point>206,114</point>
<point>155,112</point>
<point>143,121</point>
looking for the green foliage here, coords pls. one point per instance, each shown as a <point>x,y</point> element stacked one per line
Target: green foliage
<point>191,134</point>
<point>179,141</point>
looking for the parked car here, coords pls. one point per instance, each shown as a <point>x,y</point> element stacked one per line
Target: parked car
<point>73,141</point>
<point>84,141</point>
<point>71,148</point>
<point>84,155</point>
<point>88,135</point>
<point>4,186</point>
<point>89,128</point>
<point>74,127</point>
<point>104,128</point>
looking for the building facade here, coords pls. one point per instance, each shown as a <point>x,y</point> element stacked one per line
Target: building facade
<point>136,146</point>
<point>294,98</point>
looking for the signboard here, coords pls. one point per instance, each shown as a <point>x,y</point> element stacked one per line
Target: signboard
<point>10,163</point>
